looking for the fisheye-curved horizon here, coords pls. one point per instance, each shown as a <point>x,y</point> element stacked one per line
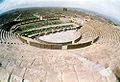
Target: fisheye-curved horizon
<point>110,8</point>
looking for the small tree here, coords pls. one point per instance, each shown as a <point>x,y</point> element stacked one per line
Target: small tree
<point>0,64</point>
<point>64,9</point>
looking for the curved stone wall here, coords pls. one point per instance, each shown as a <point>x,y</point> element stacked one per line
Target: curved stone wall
<point>47,45</point>
<point>75,46</point>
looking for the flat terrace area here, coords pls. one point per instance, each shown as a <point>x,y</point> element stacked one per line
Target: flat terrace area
<point>60,37</point>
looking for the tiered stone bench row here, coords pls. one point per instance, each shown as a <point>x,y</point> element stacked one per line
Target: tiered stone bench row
<point>8,38</point>
<point>32,21</point>
<point>19,70</point>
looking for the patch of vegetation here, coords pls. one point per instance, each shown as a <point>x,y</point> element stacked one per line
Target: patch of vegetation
<point>37,25</point>
<point>45,30</point>
<point>118,78</point>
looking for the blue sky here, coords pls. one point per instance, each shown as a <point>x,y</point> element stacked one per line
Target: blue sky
<point>1,1</point>
<point>107,7</point>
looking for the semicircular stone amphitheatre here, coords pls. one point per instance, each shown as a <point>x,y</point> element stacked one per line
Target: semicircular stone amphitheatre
<point>58,45</point>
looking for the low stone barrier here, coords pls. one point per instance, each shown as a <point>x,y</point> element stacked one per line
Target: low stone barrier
<point>78,39</point>
<point>23,40</point>
<point>82,45</point>
<point>49,45</point>
<point>46,46</point>
<point>95,40</point>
